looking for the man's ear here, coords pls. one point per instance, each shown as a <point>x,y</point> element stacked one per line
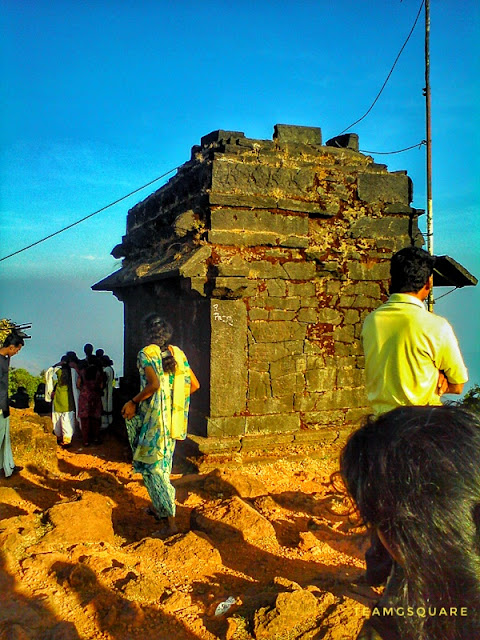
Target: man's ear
<point>429,283</point>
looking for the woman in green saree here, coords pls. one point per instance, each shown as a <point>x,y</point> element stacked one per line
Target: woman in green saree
<point>157,416</point>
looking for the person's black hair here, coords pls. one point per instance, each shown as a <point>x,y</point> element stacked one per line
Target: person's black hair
<point>158,331</point>
<point>64,373</point>
<point>13,339</point>
<point>410,269</point>
<point>414,474</point>
<point>99,353</point>
<point>88,349</point>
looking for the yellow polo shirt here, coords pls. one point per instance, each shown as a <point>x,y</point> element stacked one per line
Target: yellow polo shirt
<point>405,347</point>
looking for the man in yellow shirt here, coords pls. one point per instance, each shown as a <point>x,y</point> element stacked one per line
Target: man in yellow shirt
<point>412,357</point>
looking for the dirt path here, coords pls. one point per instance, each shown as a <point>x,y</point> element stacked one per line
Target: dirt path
<point>81,559</point>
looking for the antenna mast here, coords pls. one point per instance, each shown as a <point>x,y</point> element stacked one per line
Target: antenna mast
<point>429,141</point>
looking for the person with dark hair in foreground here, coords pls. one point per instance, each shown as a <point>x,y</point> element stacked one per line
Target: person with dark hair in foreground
<point>414,476</point>
<point>157,416</point>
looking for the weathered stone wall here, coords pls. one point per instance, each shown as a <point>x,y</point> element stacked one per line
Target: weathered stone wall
<point>266,256</point>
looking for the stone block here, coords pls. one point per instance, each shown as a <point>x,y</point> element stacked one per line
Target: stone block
<point>316,436</point>
<point>209,445</point>
<point>307,315</point>
<point>253,179</point>
<point>350,378</point>
<point>347,348</point>
<point>306,401</point>
<point>351,316</point>
<point>273,423</point>
<point>297,134</point>
<point>228,361</point>
<point>258,314</point>
<point>386,227</point>
<point>333,286</point>
<point>314,209</point>
<point>300,270</point>
<point>233,287</point>
<point>320,379</point>
<point>368,271</point>
<point>248,220</point>
<point>232,266</point>
<point>287,365</point>
<point>224,427</point>
<point>327,315</point>
<point>364,302</point>
<point>344,141</point>
<point>316,362</point>
<point>272,351</point>
<point>259,385</point>
<point>263,269</point>
<point>257,227</point>
<point>384,187</point>
<point>317,419</point>
<point>277,331</point>
<point>287,304</point>
<point>310,302</point>
<point>341,399</point>
<point>346,301</point>
<point>282,404</point>
<point>241,200</point>
<point>344,334</point>
<point>262,442</point>
<point>277,288</point>
<point>356,416</point>
<point>280,314</point>
<point>367,288</point>
<point>289,383</point>
<point>303,289</point>
<point>220,134</point>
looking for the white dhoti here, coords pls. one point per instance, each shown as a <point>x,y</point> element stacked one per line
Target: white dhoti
<point>63,425</point>
<point>6,456</point>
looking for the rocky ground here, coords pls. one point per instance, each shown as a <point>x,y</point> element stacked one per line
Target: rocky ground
<point>81,559</point>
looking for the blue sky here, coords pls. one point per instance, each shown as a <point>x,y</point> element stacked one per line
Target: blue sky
<point>99,97</point>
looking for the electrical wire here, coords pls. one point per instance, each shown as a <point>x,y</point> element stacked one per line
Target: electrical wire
<point>446,294</point>
<point>56,233</point>
<point>389,74</point>
<point>389,153</point>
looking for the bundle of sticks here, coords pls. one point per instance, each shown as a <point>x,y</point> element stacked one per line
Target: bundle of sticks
<point>7,327</point>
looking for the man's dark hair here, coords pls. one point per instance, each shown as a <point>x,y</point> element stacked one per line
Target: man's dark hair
<point>88,349</point>
<point>410,270</point>
<point>13,339</point>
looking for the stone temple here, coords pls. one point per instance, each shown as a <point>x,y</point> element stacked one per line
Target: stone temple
<point>265,256</point>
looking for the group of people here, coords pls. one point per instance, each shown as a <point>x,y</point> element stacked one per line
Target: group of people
<point>81,393</point>
<point>412,470</point>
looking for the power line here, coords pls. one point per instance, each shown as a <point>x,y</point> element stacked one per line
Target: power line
<point>388,153</point>
<point>389,74</point>
<point>56,233</point>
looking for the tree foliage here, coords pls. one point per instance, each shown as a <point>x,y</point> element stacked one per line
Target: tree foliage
<point>471,400</point>
<point>22,378</point>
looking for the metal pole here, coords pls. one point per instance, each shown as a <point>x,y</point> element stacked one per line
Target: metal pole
<point>429,141</point>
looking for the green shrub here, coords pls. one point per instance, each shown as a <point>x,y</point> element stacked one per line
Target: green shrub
<point>471,400</point>
<point>22,378</point>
